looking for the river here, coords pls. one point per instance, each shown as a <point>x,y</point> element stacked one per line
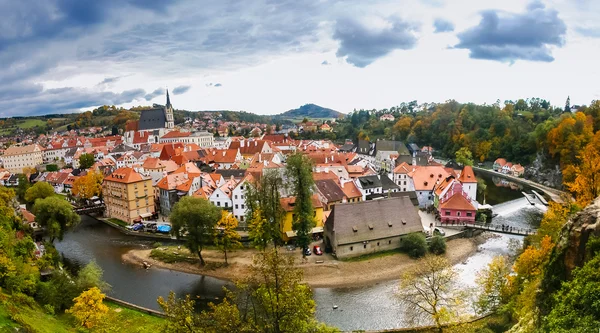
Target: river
<point>366,308</point>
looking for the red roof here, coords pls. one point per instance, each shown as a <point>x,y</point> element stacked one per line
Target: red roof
<point>457,202</point>
<point>175,134</point>
<point>288,203</point>
<point>467,175</point>
<point>500,161</point>
<point>125,175</point>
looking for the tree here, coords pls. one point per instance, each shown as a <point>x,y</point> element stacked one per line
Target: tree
<point>90,276</point>
<point>181,315</point>
<point>88,308</point>
<point>86,161</point>
<point>299,172</point>
<point>415,245</point>
<point>437,245</point>
<point>226,238</point>
<point>427,292</point>
<point>194,219</point>
<point>88,186</point>
<point>39,190</point>
<point>464,156</point>
<point>494,286</point>
<point>259,230</point>
<point>585,183</point>
<point>568,104</point>
<point>51,167</point>
<point>402,127</point>
<point>23,186</point>
<point>56,215</point>
<point>576,303</point>
<point>264,195</point>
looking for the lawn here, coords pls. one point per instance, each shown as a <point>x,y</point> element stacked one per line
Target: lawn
<point>373,255</point>
<point>35,319</point>
<point>118,222</point>
<point>29,123</point>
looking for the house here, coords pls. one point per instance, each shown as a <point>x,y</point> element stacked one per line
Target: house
<point>425,179</point>
<point>469,182</point>
<point>128,195</point>
<point>456,208</point>
<point>17,158</point>
<point>288,205</point>
<point>517,170</point>
<point>180,183</point>
<point>375,186</point>
<point>506,168</point>
<point>351,192</point>
<point>498,164</point>
<point>325,128</point>
<point>330,193</point>
<point>203,139</point>
<point>221,197</point>
<point>239,199</point>
<point>354,229</point>
<point>427,150</point>
<point>400,176</point>
<point>387,117</point>
<point>250,148</point>
<point>222,158</point>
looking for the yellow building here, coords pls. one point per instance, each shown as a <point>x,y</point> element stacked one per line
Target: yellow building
<point>128,195</point>
<point>17,158</point>
<point>286,224</point>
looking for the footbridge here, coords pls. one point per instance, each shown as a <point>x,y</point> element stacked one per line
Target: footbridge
<point>84,210</point>
<point>501,229</point>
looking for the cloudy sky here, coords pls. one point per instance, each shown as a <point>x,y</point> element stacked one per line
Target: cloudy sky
<point>268,56</point>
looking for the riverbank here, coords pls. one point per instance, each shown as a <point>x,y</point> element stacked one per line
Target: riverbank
<point>319,271</point>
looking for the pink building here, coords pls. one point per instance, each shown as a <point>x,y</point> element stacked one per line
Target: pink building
<point>455,207</point>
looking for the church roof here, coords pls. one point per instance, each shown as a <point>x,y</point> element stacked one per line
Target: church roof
<point>152,119</point>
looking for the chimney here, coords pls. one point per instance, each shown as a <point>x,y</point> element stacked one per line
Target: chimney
<point>224,152</point>
<point>259,158</point>
<point>241,143</point>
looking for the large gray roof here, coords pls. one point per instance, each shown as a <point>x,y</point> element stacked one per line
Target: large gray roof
<point>375,219</point>
<point>371,181</point>
<point>397,146</point>
<point>330,190</point>
<point>152,119</point>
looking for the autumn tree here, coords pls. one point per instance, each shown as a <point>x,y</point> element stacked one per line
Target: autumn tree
<point>56,215</point>
<point>494,286</point>
<point>194,219</point>
<point>402,127</point>
<point>226,238</point>
<point>89,308</point>
<point>583,178</point>
<point>181,314</point>
<point>569,137</point>
<point>86,161</point>
<point>259,230</point>
<point>427,292</point>
<point>39,190</point>
<point>464,156</point>
<point>299,172</point>
<point>88,186</point>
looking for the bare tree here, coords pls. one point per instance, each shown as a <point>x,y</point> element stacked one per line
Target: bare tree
<point>428,292</point>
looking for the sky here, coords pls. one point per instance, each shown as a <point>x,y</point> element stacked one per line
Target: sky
<point>269,56</point>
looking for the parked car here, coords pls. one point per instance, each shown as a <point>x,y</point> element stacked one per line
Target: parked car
<point>163,228</point>
<point>138,227</point>
<point>317,250</point>
<point>438,231</point>
<point>150,227</point>
<point>307,252</point>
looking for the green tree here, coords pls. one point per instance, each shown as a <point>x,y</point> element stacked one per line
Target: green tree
<point>226,238</point>
<point>464,156</point>
<point>299,172</point>
<point>56,215</point>
<point>494,286</point>
<point>259,230</point>
<point>23,186</point>
<point>576,303</point>
<point>194,219</point>
<point>264,195</point>
<point>86,161</point>
<point>427,292</point>
<point>568,104</point>
<point>90,276</point>
<point>437,245</point>
<point>415,245</point>
<point>39,190</point>
<point>51,167</point>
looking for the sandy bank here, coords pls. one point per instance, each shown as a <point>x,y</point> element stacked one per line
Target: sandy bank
<point>330,273</point>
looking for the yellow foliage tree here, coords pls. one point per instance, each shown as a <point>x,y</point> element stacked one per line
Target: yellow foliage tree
<point>552,222</point>
<point>226,238</point>
<point>88,186</point>
<point>530,263</point>
<point>483,150</point>
<point>583,179</point>
<point>570,137</point>
<point>402,127</point>
<point>88,307</point>
<point>494,286</point>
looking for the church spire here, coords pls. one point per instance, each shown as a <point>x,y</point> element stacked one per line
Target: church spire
<point>168,99</point>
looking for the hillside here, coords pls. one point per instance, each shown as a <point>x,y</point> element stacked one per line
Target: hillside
<point>310,111</point>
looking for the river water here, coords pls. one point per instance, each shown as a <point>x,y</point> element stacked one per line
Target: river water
<point>363,308</point>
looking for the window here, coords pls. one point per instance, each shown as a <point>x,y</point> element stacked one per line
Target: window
<point>469,214</point>
<point>236,206</point>
<point>226,204</point>
<point>364,246</point>
<point>447,213</point>
<point>457,213</point>
<point>377,243</point>
<point>390,241</point>
<point>351,248</point>
<point>242,206</point>
<point>235,196</point>
<point>218,203</point>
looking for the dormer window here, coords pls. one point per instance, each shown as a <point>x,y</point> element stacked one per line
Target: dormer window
<point>403,221</point>
<point>354,228</point>
<point>370,227</point>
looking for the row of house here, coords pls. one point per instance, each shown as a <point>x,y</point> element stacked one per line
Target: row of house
<point>501,165</point>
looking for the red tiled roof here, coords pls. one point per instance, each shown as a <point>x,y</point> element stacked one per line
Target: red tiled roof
<point>288,203</point>
<point>457,202</point>
<point>125,175</point>
<point>467,175</point>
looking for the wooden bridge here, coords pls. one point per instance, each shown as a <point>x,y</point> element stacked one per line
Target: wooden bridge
<point>83,210</point>
<point>502,229</point>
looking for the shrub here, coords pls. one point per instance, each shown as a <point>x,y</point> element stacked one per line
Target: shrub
<point>49,309</point>
<point>437,245</point>
<point>156,245</point>
<point>414,245</point>
<point>24,300</point>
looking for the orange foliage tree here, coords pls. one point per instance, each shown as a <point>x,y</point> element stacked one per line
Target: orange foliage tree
<point>88,186</point>
<point>570,137</point>
<point>583,179</point>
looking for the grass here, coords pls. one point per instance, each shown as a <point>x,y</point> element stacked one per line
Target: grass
<point>118,222</point>
<point>35,319</point>
<point>61,197</point>
<point>170,256</point>
<point>30,123</point>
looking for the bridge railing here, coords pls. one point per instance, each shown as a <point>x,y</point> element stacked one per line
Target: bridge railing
<point>503,228</point>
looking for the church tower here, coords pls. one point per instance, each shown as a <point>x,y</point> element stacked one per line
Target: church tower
<point>169,123</point>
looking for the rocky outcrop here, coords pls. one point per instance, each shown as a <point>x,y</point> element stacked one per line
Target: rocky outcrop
<point>544,171</point>
<point>570,252</point>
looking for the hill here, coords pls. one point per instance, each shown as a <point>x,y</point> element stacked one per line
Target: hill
<point>310,111</point>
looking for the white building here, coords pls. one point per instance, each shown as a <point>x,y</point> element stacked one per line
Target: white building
<point>202,139</point>
<point>239,198</point>
<point>16,158</point>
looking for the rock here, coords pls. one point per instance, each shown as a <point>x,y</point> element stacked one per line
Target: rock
<point>544,171</point>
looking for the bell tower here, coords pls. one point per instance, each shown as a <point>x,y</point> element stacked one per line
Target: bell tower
<point>169,113</point>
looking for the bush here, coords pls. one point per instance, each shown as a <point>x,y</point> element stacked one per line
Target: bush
<point>437,245</point>
<point>51,167</point>
<point>415,245</point>
<point>156,245</point>
<point>23,300</point>
<point>49,309</point>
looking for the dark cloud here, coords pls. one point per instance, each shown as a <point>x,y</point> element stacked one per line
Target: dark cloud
<point>110,80</point>
<point>218,85</point>
<point>325,63</point>
<point>362,46</point>
<point>442,25</point>
<point>155,93</point>
<point>181,90</point>
<point>214,85</point>
<point>508,37</point>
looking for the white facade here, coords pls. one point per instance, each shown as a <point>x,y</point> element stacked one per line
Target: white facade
<point>220,199</point>
<point>202,139</point>
<point>17,158</point>
<point>471,190</point>
<point>403,181</point>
